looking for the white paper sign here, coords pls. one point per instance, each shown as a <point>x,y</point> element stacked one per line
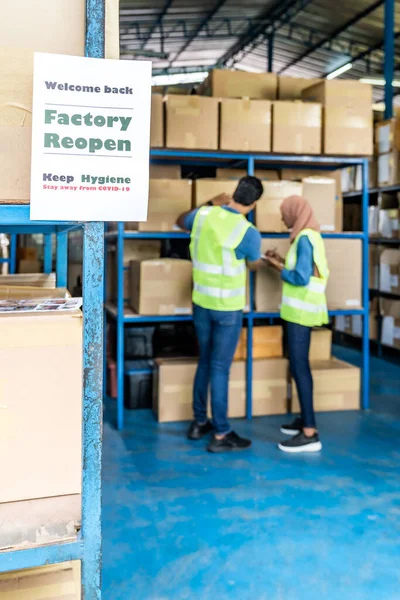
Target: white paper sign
<point>90,139</point>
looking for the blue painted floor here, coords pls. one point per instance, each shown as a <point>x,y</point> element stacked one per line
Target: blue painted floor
<point>179,523</point>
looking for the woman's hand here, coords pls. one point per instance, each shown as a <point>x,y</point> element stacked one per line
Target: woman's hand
<point>275,263</point>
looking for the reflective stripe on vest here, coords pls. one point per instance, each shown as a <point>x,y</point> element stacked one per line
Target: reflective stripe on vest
<point>302,305</point>
<point>218,292</point>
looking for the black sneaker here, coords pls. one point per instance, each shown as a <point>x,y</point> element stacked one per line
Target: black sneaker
<point>301,443</point>
<point>293,428</point>
<point>197,431</point>
<point>231,442</point>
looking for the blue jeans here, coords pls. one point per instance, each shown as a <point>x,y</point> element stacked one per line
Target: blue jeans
<point>298,339</point>
<point>218,333</point>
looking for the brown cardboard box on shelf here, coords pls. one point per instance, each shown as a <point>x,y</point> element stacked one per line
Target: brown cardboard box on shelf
<point>268,284</point>
<point>165,171</point>
<point>347,132</point>
<point>267,343</point>
<point>341,93</point>
<point>206,189</point>
<point>373,266</point>
<point>222,83</point>
<point>320,192</point>
<point>270,386</point>
<point>343,324</point>
<point>28,266</point>
<point>390,332</point>
<point>24,292</point>
<point>290,88</point>
<point>161,286</point>
<point>168,198</point>
<point>321,344</point>
<point>389,223</point>
<point>268,215</point>
<point>192,122</point>
<point>51,582</point>
<point>372,175</point>
<point>41,280</point>
<point>263,174</point>
<point>16,90</point>
<point>157,121</point>
<point>245,125</point>
<point>357,320</point>
<point>389,169</point>
<point>173,390</point>
<point>15,165</point>
<point>389,271</point>
<point>387,136</point>
<point>336,386</point>
<point>28,253</point>
<point>344,284</point>
<point>60,31</point>
<point>297,127</point>
<point>348,179</point>
<point>49,346</point>
<point>133,250</point>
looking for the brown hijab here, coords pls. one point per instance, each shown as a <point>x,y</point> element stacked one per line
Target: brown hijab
<point>298,215</point>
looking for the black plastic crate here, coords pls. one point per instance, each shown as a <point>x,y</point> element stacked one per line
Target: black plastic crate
<point>138,384</point>
<point>138,342</point>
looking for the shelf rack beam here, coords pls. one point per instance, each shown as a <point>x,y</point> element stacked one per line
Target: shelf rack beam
<point>389,48</point>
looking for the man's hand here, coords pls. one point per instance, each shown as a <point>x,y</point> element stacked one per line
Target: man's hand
<point>221,199</point>
<point>275,255</point>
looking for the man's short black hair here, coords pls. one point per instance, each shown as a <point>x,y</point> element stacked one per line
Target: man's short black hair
<point>248,191</point>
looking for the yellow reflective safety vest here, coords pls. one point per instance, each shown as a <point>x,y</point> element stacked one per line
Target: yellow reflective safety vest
<point>306,305</point>
<point>219,278</point>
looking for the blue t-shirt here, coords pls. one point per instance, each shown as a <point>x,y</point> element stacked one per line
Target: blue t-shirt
<point>304,268</point>
<point>250,246</point>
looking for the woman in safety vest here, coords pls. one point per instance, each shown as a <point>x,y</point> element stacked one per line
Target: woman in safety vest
<point>305,274</point>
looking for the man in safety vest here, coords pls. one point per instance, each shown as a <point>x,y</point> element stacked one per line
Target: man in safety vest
<point>222,240</point>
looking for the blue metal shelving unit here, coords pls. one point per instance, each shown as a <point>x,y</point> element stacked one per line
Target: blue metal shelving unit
<point>123,317</point>
<point>15,220</point>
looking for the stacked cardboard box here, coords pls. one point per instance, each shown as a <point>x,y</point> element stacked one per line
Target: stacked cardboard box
<point>348,118</point>
<point>390,332</point>
<point>222,83</point>
<point>205,189</point>
<point>389,271</point>
<point>267,343</point>
<point>192,122</point>
<point>52,582</point>
<point>353,324</point>
<point>245,125</point>
<point>297,127</point>
<point>133,250</point>
<point>387,147</point>
<point>290,88</point>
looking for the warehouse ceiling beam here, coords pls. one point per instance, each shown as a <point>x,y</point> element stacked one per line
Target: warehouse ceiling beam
<point>328,39</point>
<point>271,20</point>
<point>365,55</point>
<point>198,29</point>
<point>157,23</point>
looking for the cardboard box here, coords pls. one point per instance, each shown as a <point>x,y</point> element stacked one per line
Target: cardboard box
<point>16,90</point>
<point>41,431</point>
<point>290,88</point>
<point>268,284</point>
<point>15,165</point>
<point>240,84</point>
<point>347,132</point>
<point>336,386</point>
<point>29,253</point>
<point>321,344</point>
<point>373,266</point>
<point>245,125</point>
<point>390,332</point>
<point>372,175</point>
<point>192,122</point>
<point>41,280</point>
<point>389,169</point>
<point>297,127</point>
<point>389,272</point>
<point>320,192</point>
<point>341,93</point>
<point>52,582</point>
<point>165,171</point>
<point>387,136</point>
<point>348,179</point>
<point>206,189</point>
<point>263,174</point>
<point>168,198</point>
<point>161,287</point>
<point>270,386</point>
<point>268,214</point>
<point>344,284</point>
<point>29,266</point>
<point>357,322</point>
<point>157,121</point>
<point>343,324</point>
<point>24,292</point>
<point>173,390</point>
<point>267,343</point>
<point>388,223</point>
<point>56,27</point>
<point>133,250</point>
